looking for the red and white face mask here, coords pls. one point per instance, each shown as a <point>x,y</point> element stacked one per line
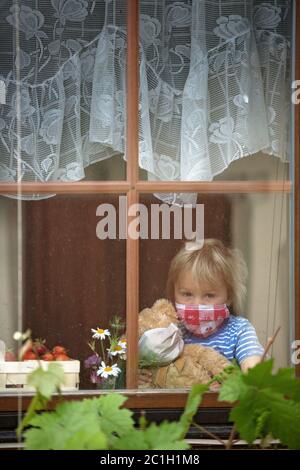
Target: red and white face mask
<point>202,320</point>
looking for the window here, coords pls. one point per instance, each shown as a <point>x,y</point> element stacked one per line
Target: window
<point>261,208</point>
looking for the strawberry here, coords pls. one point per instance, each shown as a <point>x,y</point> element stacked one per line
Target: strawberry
<point>29,356</point>
<point>39,347</point>
<point>59,350</point>
<point>61,357</point>
<point>48,357</point>
<point>9,356</point>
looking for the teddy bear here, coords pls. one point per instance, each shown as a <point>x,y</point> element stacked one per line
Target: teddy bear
<point>196,364</point>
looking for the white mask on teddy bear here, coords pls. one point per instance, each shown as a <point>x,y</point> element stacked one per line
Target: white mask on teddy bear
<point>161,346</point>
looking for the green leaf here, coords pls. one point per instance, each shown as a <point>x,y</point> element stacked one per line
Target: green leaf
<point>113,419</point>
<point>284,418</point>
<point>166,436</point>
<point>71,426</point>
<point>233,388</point>
<point>134,440</point>
<point>53,438</point>
<point>191,407</point>
<point>143,423</point>
<point>47,382</point>
<point>244,416</point>
<point>259,375</point>
<point>285,382</point>
<point>225,373</point>
<point>261,424</point>
<point>263,412</point>
<point>95,440</point>
<point>37,403</point>
<point>268,404</point>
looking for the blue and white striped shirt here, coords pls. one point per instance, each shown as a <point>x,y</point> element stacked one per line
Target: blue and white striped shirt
<point>236,339</point>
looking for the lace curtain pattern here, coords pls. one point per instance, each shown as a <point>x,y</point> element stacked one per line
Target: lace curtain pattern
<point>214,86</point>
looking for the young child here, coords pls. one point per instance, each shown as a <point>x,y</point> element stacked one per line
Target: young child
<point>206,282</point>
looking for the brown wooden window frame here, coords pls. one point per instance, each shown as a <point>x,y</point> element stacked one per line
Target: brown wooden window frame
<point>133,187</point>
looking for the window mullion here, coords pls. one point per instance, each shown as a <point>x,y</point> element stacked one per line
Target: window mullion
<point>132,246</point>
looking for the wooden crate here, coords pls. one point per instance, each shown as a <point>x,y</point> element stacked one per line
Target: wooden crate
<point>13,375</point>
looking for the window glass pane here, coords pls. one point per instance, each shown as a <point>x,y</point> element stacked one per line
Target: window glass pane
<point>256,167</point>
<point>73,283</point>
<point>62,90</point>
<point>8,271</point>
<point>258,226</point>
<point>111,169</point>
<point>209,102</point>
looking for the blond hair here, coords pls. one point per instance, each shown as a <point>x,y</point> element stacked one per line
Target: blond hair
<point>209,262</point>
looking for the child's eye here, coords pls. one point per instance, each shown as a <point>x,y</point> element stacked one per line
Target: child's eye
<point>210,296</point>
<point>187,294</point>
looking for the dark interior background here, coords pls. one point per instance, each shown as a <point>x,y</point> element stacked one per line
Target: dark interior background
<point>74,282</point>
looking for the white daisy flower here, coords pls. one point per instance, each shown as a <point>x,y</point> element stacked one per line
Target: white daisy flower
<point>105,371</point>
<point>116,350</point>
<point>99,333</point>
<point>122,343</point>
<point>18,335</point>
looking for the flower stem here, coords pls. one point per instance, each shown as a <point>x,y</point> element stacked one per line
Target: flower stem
<point>102,351</point>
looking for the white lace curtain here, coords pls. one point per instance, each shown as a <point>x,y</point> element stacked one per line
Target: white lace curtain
<point>214,86</point>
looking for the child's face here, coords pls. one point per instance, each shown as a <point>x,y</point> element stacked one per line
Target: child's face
<point>190,292</point>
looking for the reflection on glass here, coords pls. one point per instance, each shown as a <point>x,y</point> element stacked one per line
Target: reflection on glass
<point>258,226</point>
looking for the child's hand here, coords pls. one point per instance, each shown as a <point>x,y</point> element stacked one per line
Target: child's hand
<point>249,362</point>
<point>144,378</point>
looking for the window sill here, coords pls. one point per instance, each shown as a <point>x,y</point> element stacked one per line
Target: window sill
<point>138,399</point>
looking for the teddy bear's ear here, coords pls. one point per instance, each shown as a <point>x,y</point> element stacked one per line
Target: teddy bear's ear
<point>147,320</point>
<point>163,304</point>
<point>144,312</point>
<point>168,308</point>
